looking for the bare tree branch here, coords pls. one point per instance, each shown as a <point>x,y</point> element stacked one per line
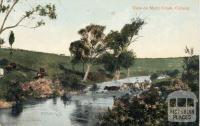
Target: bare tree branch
<point>7,14</point>
<point>13,26</point>
<point>31,27</point>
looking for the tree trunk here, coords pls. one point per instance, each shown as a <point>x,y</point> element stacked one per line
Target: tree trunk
<point>87,72</point>
<point>83,67</point>
<point>117,75</point>
<point>128,72</point>
<point>11,52</point>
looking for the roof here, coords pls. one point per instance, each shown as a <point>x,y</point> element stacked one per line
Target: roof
<point>182,94</point>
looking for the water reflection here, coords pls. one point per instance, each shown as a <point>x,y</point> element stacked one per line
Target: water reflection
<point>54,100</point>
<point>66,102</point>
<point>66,98</point>
<point>78,111</point>
<point>17,109</point>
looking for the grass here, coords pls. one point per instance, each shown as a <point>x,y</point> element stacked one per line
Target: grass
<point>28,63</point>
<point>35,60</point>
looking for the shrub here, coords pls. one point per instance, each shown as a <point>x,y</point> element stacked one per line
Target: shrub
<point>190,74</point>
<point>172,73</point>
<point>14,91</point>
<point>147,109</point>
<point>72,81</point>
<point>154,76</point>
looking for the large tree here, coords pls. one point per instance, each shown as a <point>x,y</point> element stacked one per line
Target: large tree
<point>90,46</point>
<point>35,13</point>
<point>118,43</point>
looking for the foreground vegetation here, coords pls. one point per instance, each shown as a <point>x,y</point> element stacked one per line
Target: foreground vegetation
<point>150,107</point>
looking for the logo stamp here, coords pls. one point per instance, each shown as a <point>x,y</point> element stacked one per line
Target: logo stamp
<point>182,106</point>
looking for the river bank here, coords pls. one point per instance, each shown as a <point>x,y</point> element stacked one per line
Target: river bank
<point>5,105</point>
<point>81,110</point>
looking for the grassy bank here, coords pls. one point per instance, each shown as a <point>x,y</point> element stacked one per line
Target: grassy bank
<point>51,62</point>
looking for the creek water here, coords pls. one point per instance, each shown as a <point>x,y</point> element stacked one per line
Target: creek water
<point>82,110</point>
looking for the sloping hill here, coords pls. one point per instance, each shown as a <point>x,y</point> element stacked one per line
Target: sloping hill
<point>34,60</point>
<point>28,63</point>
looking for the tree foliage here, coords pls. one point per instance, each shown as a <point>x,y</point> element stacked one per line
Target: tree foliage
<point>109,61</point>
<point>11,38</point>
<point>79,51</point>
<point>118,43</point>
<point>92,37</point>
<point>126,59</point>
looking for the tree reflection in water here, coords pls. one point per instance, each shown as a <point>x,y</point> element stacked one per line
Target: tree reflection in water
<point>17,109</point>
<point>84,114</point>
<point>54,100</point>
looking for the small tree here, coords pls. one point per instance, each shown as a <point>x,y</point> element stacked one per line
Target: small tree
<point>11,41</point>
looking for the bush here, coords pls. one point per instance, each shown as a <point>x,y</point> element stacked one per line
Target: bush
<point>14,91</point>
<point>162,82</point>
<point>72,81</point>
<point>96,76</point>
<point>148,109</point>
<point>154,76</point>
<point>3,62</point>
<point>172,73</point>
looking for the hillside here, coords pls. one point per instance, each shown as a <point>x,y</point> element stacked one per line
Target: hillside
<point>56,66</point>
<point>35,60</point>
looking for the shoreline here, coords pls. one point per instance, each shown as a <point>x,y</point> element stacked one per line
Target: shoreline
<point>5,104</point>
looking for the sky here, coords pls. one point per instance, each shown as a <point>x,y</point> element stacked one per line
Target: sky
<point>171,25</point>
